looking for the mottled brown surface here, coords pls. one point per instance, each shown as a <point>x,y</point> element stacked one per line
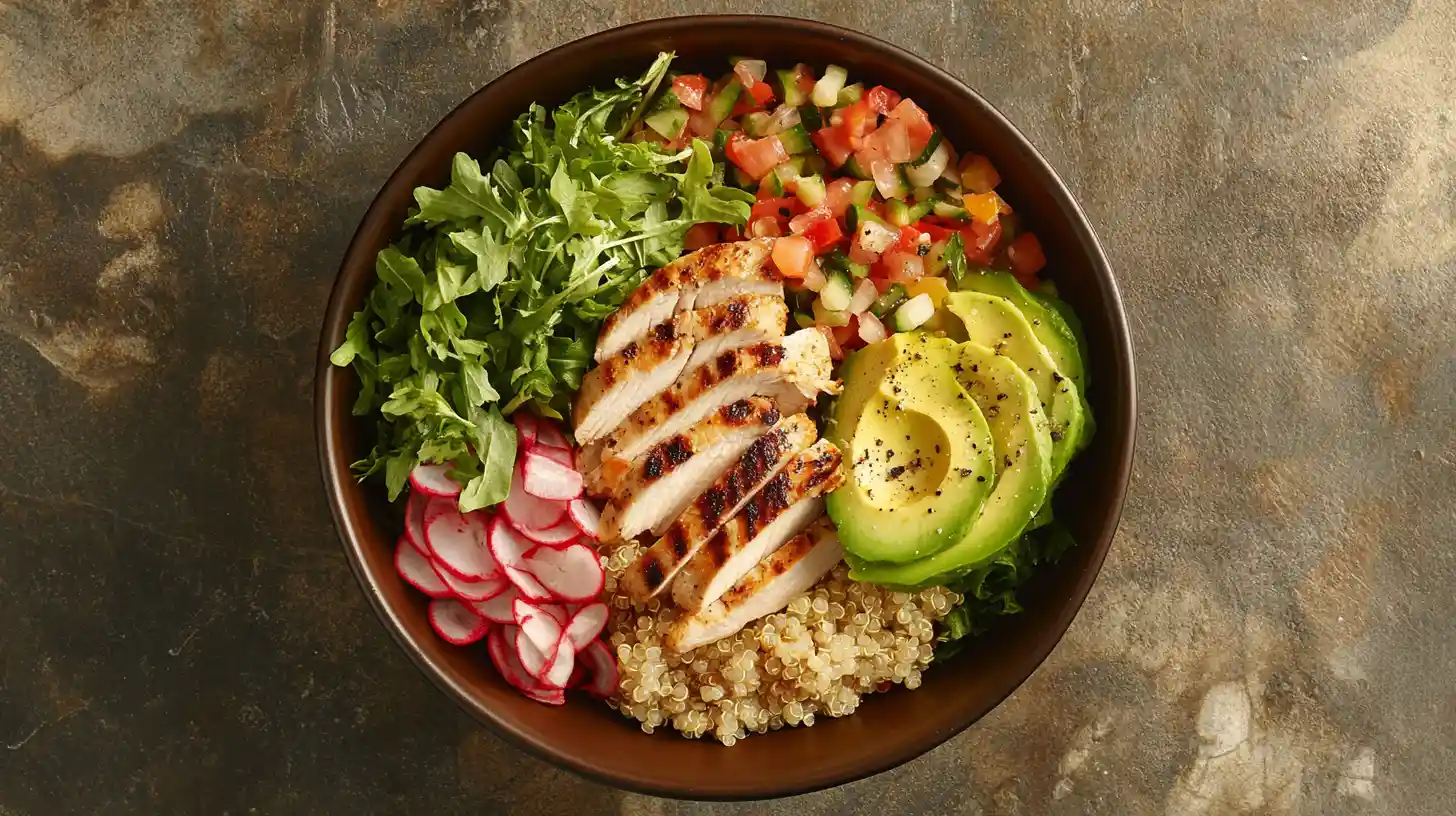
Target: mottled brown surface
<point>1275,183</point>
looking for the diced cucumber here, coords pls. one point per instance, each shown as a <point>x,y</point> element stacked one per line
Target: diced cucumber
<point>863,193</point>
<point>919,210</point>
<point>896,186</point>
<point>837,291</point>
<point>742,180</point>
<point>796,140</point>
<point>815,164</point>
<point>930,147</point>
<point>720,142</point>
<point>772,185</point>
<point>756,124</point>
<point>925,173</point>
<point>859,214</point>
<point>811,117</point>
<point>811,190</point>
<point>897,213</point>
<point>668,123</point>
<point>945,209</point>
<point>848,95</point>
<point>888,300</point>
<point>852,168</point>
<point>802,320</point>
<point>836,259</point>
<point>829,317</point>
<point>826,90</point>
<point>789,78</point>
<point>666,100</point>
<point>913,313</point>
<point>722,105</point>
<point>923,193</point>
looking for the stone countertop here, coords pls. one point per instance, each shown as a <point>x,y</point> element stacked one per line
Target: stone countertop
<point>1275,183</point>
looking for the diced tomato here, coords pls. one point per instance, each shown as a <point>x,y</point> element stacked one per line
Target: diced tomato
<point>762,93</point>
<point>892,140</point>
<point>978,174</point>
<point>820,227</point>
<point>792,255</point>
<point>745,104</point>
<point>983,207</point>
<point>838,196</point>
<point>916,122</point>
<point>981,240</point>
<point>699,236</point>
<point>1026,255</point>
<point>858,120</point>
<point>701,123</point>
<point>882,100</point>
<point>908,240</point>
<point>902,267</point>
<point>834,145</point>
<point>732,234</point>
<point>766,228</point>
<point>847,337</point>
<point>804,77</point>
<point>860,255</point>
<point>757,157</point>
<point>836,352</point>
<point>781,208</point>
<point>936,232</point>
<point>690,90</point>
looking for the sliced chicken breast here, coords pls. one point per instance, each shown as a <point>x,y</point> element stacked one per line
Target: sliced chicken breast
<point>710,275</point>
<point>638,372</point>
<point>665,481</point>
<point>645,368</point>
<point>784,506</point>
<point>654,569</point>
<point>766,589</point>
<point>792,373</point>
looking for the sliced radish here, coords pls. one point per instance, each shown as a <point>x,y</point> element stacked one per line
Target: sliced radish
<point>472,591</point>
<point>603,667</point>
<point>458,542</point>
<point>548,434</point>
<point>434,480</point>
<point>533,660</point>
<point>562,534</point>
<point>414,520</point>
<point>557,611</point>
<point>562,456</point>
<point>558,674</point>
<point>501,645</point>
<point>584,514</point>
<point>549,696</point>
<point>586,625</point>
<point>525,510</point>
<point>526,426</point>
<point>571,573</point>
<point>416,570</point>
<point>549,479</point>
<point>507,545</point>
<point>456,622</point>
<point>501,608</point>
<point>539,626</point>
<point>578,676</point>
<point>530,586</point>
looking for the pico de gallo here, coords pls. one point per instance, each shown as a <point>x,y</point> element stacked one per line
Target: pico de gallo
<point>881,215</point>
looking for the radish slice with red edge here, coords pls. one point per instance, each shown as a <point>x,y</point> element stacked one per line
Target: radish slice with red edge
<point>500,644</point>
<point>560,535</point>
<point>560,455</point>
<point>539,626</point>
<point>531,588</point>
<point>458,542</point>
<point>525,510</point>
<point>585,516</point>
<point>578,676</point>
<point>551,436</point>
<point>548,479</point>
<point>501,608</point>
<point>456,622</point>
<point>414,520</point>
<point>603,666</point>
<point>559,672</point>
<point>434,480</point>
<point>472,591</point>
<point>585,625</point>
<point>510,550</point>
<point>526,428</point>
<point>417,571</point>
<point>572,574</point>
<point>533,660</point>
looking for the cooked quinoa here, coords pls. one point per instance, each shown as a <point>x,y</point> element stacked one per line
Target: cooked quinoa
<point>840,640</point>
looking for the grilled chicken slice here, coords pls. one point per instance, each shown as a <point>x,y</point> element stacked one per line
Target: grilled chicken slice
<point>792,373</point>
<point>654,569</point>
<point>665,481</point>
<point>766,589</point>
<point>645,368</point>
<point>711,275</point>
<point>784,506</point>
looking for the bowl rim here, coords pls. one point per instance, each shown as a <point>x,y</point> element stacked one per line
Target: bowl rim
<point>328,380</point>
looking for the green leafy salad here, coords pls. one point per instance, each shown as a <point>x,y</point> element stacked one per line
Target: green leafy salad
<point>492,298</point>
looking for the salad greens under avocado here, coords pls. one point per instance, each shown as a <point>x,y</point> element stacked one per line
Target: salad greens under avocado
<point>493,297</point>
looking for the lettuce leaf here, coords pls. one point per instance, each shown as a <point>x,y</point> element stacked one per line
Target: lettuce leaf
<point>491,300</point>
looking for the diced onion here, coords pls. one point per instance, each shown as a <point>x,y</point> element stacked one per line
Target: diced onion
<point>913,313</point>
<point>887,179</point>
<point>751,72</point>
<point>826,90</point>
<point>925,174</point>
<point>864,296</point>
<point>871,330</point>
<point>876,238</point>
<point>784,118</point>
<point>814,279</point>
<point>765,228</point>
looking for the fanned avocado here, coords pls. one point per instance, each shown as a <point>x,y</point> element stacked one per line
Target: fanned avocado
<point>996,323</point>
<point>1008,399</point>
<point>917,449</point>
<point>1047,323</point>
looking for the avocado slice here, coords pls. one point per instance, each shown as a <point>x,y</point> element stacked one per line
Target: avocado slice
<point>917,448</point>
<point>1046,323</point>
<point>1008,399</point>
<point>996,323</point>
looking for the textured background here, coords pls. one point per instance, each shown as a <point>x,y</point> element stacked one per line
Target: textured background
<point>1274,181</point>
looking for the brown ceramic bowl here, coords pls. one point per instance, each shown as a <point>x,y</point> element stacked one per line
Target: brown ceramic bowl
<point>889,729</point>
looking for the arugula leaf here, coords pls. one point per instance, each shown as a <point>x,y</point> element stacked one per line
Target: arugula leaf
<point>954,256</point>
<point>491,301</point>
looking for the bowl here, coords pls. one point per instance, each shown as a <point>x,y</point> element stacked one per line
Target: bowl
<point>888,729</point>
